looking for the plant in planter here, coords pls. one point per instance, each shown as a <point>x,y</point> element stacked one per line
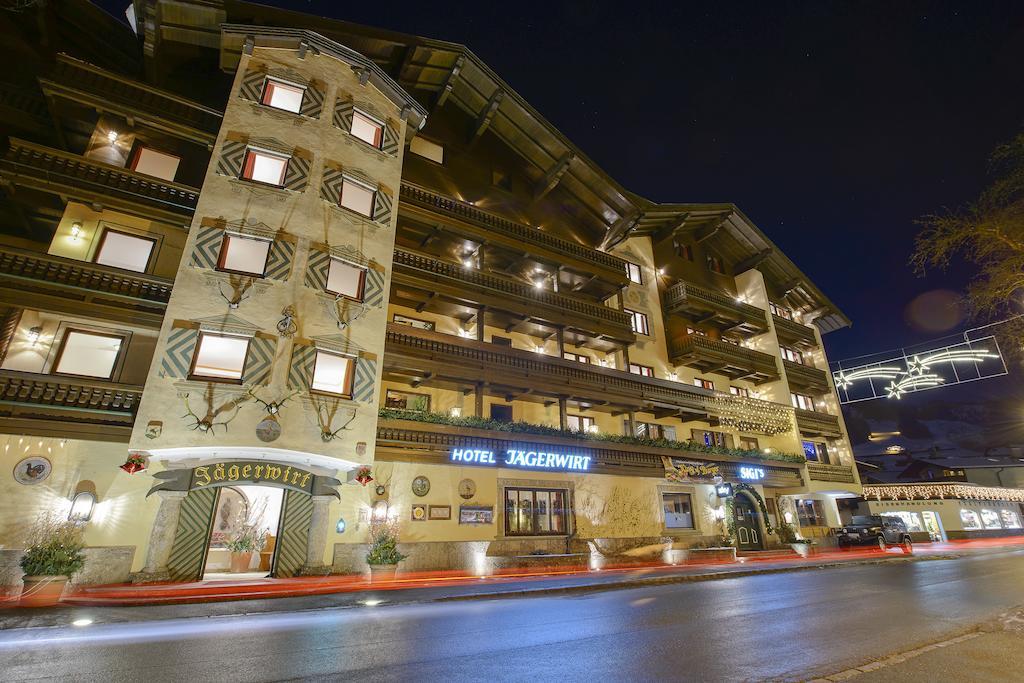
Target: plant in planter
<point>383,556</point>
<point>248,539</point>
<point>787,535</point>
<point>53,552</point>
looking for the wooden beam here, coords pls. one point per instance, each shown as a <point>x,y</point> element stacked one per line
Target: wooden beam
<point>483,121</point>
<point>449,83</point>
<point>553,176</point>
<point>752,261</point>
<point>670,229</point>
<point>430,297</point>
<point>420,380</point>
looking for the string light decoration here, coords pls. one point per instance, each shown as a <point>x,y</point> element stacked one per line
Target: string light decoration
<point>846,379</point>
<point>752,415</point>
<point>942,492</point>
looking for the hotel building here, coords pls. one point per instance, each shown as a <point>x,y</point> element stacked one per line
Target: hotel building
<point>256,252</point>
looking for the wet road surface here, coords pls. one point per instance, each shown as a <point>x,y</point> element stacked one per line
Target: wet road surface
<point>790,625</point>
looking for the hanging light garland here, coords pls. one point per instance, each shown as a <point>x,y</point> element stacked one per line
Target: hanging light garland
<point>752,415</point>
<point>942,491</point>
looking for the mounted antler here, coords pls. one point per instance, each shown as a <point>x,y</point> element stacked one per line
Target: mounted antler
<point>207,424</point>
<point>274,407</point>
<point>241,288</point>
<point>325,416</point>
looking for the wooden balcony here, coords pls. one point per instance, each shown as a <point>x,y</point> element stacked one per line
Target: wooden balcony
<point>841,474</point>
<point>422,357</point>
<point>89,181</point>
<point>796,334</point>
<point>701,305</point>
<point>411,441</point>
<point>49,405</point>
<point>62,285</point>
<point>812,423</point>
<point>806,377</point>
<point>723,358</point>
<point>495,229</point>
<point>474,288</point>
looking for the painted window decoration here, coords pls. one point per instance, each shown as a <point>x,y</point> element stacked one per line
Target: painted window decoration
<point>88,354</point>
<point>367,128</point>
<point>990,518</point>
<point>427,149</point>
<point>678,510</point>
<point>121,250</point>
<point>282,95</point>
<point>407,400</point>
<point>642,370</point>
<point>154,163</point>
<point>535,512</point>
<point>332,373</point>
<point>220,357</point>
<point>345,279</point>
<point>638,321</point>
<point>357,196</point>
<point>243,254</point>
<point>265,167</point>
<point>634,273</point>
<point>399,319</point>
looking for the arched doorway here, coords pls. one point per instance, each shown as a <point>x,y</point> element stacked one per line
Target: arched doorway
<point>747,522</point>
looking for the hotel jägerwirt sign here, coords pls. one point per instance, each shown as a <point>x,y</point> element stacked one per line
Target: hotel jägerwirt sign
<point>526,459</point>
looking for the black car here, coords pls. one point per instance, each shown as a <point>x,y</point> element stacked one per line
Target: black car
<point>881,530</point>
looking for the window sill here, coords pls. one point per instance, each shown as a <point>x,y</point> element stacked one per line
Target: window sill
<point>262,108</point>
<point>362,218</point>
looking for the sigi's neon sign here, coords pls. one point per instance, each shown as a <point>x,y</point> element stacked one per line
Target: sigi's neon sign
<point>524,459</point>
<point>751,473</point>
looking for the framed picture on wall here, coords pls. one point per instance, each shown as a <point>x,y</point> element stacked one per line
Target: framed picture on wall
<point>419,513</point>
<point>439,512</point>
<point>476,514</point>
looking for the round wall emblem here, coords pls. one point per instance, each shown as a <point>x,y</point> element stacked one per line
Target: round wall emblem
<point>268,430</point>
<point>32,470</point>
<point>467,488</point>
<point>420,486</point>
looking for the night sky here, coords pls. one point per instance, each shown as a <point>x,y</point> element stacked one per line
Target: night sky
<point>832,125</point>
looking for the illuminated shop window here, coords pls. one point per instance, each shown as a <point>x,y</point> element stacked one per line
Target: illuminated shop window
<point>990,518</point>
<point>970,519</point>
<point>678,510</point>
<point>535,512</point>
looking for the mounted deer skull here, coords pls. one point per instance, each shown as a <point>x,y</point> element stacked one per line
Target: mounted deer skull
<point>208,424</point>
<point>325,416</point>
<point>274,407</point>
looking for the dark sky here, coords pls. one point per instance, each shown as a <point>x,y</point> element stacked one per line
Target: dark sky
<point>832,125</point>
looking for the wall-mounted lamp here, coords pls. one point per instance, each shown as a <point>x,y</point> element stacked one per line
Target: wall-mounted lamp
<point>82,506</point>
<point>538,349</point>
<point>112,136</point>
<point>661,271</point>
<point>33,334</point>
<point>76,231</point>
<point>592,429</point>
<point>340,526</point>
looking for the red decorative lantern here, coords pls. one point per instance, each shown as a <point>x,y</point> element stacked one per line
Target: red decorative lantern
<point>363,475</point>
<point>134,463</point>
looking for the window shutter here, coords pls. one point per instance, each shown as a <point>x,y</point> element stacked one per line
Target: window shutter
<point>330,189</point>
<point>373,290</point>
<point>177,360</point>
<point>312,102</point>
<point>297,175</point>
<point>670,433</point>
<point>296,516</point>
<point>252,85</point>
<point>207,248</point>
<point>390,145</point>
<point>364,380</point>
<point>188,552</point>
<point>343,115</point>
<point>260,361</point>
<point>232,153</point>
<point>317,267</point>
<point>279,260</point>
<point>300,374</point>
<point>382,207</point>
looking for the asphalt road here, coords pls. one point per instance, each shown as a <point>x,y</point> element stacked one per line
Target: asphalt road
<point>778,626</point>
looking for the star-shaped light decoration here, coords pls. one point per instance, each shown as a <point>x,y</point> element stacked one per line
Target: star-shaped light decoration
<point>915,366</point>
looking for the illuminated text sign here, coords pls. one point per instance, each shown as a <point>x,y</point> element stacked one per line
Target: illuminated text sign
<point>752,473</point>
<point>524,459</point>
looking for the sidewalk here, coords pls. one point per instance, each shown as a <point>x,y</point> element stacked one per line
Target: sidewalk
<point>129,603</point>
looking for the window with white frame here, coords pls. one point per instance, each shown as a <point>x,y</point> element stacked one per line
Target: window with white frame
<point>282,95</point>
<point>399,319</point>
<point>121,250</point>
<point>634,274</point>
<point>740,391</point>
<point>428,150</point>
<point>792,355</point>
<point>579,358</point>
<point>638,321</point>
<point>643,370</point>
<point>711,438</point>
<point>243,254</point>
<point>332,373</point>
<point>345,279</point>
<point>220,356</point>
<point>801,401</point>
<point>154,163</point>
<point>703,383</point>
<point>88,354</point>
<point>678,510</point>
<point>265,167</point>
<point>748,443</point>
<point>367,128</point>
<point>816,451</point>
<point>651,430</point>
<point>357,196</point>
<point>780,311</point>
<point>580,423</point>
<point>695,331</point>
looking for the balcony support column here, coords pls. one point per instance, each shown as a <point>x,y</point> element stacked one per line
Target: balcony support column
<point>562,417</point>
<point>480,323</point>
<point>631,423</point>
<point>560,338</point>
<point>478,400</point>
<point>625,359</point>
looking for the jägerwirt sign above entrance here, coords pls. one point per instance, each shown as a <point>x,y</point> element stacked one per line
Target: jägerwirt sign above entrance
<point>260,473</point>
<point>532,460</point>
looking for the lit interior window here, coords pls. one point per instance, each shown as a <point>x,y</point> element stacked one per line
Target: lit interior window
<point>244,255</point>
<point>345,279</point>
<point>357,196</point>
<point>220,356</point>
<point>332,373</point>
<point>367,129</point>
<point>124,251</point>
<point>427,149</point>
<point>282,96</point>
<point>156,164</point>
<point>264,167</point>
<point>88,354</point>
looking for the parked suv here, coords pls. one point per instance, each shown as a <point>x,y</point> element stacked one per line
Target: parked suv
<point>880,530</point>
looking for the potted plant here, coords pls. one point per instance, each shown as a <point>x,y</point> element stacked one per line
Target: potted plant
<point>787,534</point>
<point>248,539</point>
<point>52,554</point>
<point>383,556</point>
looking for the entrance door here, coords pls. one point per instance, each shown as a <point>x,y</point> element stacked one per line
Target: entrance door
<point>748,529</point>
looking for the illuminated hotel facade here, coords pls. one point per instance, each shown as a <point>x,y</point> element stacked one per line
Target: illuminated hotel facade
<point>256,252</point>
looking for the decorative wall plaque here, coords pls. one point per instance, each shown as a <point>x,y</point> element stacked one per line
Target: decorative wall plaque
<point>421,486</point>
<point>32,470</point>
<point>467,488</point>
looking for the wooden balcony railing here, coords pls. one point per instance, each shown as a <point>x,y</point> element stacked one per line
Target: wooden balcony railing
<point>78,287</point>
<point>91,181</point>
<point>496,291</point>
<point>719,308</point>
<point>731,360</point>
<point>516,235</point>
<point>838,473</point>
<point>806,377</point>
<point>792,331</point>
<point>817,424</point>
